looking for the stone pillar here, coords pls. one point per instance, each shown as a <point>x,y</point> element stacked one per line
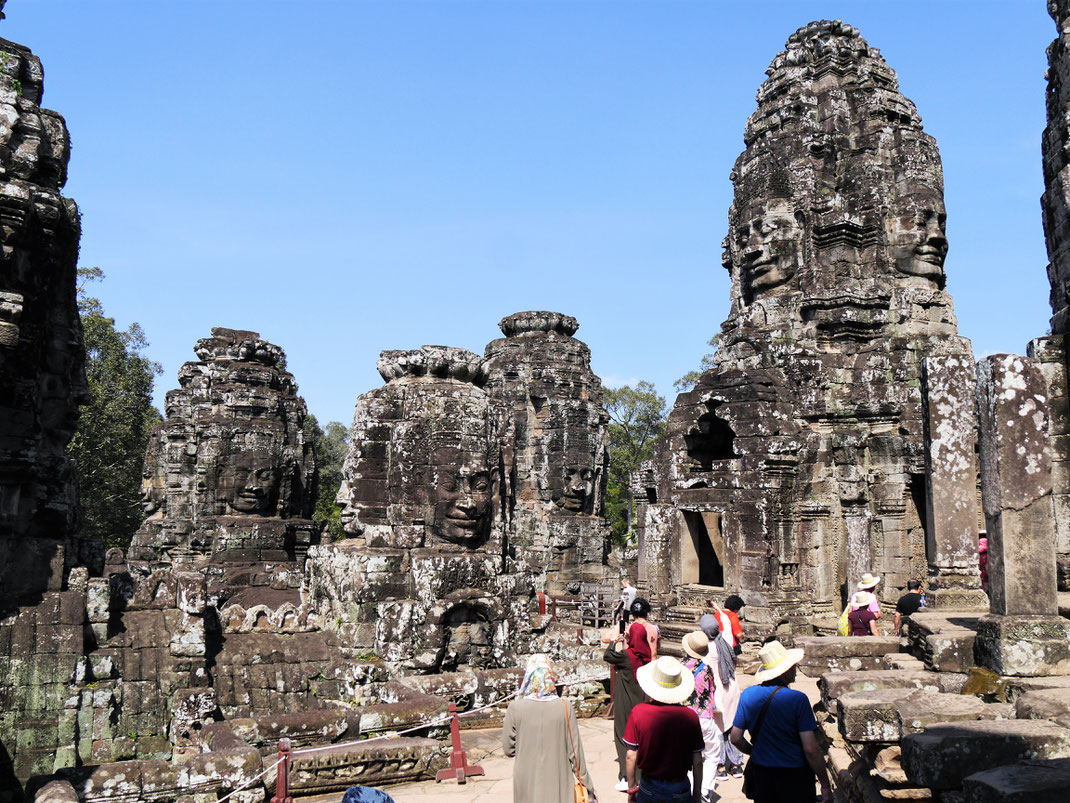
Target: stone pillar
<point>948,385</point>
<point>1050,352</point>
<point>1023,634</point>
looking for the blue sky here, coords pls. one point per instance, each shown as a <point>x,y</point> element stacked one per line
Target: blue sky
<point>347,177</point>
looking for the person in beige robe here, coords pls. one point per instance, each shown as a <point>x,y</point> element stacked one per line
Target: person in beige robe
<point>536,733</point>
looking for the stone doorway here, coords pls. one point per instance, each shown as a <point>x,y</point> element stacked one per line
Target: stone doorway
<point>701,549</point>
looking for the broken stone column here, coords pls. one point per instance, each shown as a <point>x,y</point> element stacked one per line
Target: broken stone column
<point>948,386</point>
<point>1023,634</point>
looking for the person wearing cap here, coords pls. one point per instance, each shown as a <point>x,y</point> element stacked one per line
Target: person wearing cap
<point>866,585</point>
<point>860,618</point>
<point>664,737</point>
<point>784,754</point>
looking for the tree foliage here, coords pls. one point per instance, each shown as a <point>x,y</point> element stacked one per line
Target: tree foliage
<point>108,448</point>
<point>636,419</point>
<point>690,379</point>
<point>330,445</point>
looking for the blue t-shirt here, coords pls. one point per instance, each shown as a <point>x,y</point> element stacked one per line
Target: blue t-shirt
<point>787,716</point>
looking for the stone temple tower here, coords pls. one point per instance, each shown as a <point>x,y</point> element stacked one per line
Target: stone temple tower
<point>797,462</point>
<point>548,405</point>
<point>42,379</point>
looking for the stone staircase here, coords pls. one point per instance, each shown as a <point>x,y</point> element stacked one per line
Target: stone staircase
<point>678,622</point>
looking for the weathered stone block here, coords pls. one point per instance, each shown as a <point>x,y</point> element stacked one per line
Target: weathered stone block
<point>1053,704</point>
<point>1025,782</point>
<point>836,684</point>
<point>943,755</point>
<point>1024,645</point>
<point>839,654</point>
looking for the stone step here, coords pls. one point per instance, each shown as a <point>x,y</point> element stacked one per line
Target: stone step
<point>833,685</point>
<point>942,756</point>
<point>1025,782</point>
<point>889,714</point>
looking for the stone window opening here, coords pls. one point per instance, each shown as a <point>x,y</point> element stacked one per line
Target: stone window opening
<point>710,440</point>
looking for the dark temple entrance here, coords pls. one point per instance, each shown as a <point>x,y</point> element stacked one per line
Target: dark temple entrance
<point>700,553</point>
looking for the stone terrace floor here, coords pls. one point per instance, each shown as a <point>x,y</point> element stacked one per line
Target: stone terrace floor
<point>484,749</point>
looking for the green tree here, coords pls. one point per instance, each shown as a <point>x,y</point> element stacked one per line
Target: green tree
<point>690,379</point>
<point>330,445</point>
<point>108,448</point>
<point>636,419</point>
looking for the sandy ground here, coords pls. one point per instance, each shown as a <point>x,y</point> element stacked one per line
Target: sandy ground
<point>496,786</point>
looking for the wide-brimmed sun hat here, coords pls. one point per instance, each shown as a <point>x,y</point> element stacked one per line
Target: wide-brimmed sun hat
<point>776,660</point>
<point>666,680</point>
<point>696,644</point>
<point>867,582</point>
<point>862,599</point>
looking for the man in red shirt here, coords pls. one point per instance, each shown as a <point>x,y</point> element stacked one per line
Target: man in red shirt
<point>664,737</point>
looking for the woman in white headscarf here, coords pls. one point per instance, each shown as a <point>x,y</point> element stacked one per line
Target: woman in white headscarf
<point>541,730</point>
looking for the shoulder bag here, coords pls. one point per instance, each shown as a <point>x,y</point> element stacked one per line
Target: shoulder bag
<point>580,791</point>
<point>747,782</point>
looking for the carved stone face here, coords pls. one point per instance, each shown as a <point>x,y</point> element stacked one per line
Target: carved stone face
<point>769,239</point>
<point>250,483</point>
<point>348,515</point>
<point>576,487</point>
<point>916,236</point>
<point>462,497</point>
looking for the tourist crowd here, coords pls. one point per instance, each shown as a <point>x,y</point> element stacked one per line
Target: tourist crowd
<point>679,727</point>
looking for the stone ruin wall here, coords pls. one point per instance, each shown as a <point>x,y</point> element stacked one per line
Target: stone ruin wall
<point>799,457</point>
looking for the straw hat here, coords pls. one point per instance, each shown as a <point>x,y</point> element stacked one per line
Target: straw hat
<point>776,660</point>
<point>697,645</point>
<point>666,680</point>
<point>862,599</point>
<point>867,582</point>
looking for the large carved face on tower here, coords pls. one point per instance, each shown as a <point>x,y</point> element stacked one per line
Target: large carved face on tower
<point>769,243</point>
<point>916,235</point>
<point>462,496</point>
<point>574,487</point>
<point>250,483</point>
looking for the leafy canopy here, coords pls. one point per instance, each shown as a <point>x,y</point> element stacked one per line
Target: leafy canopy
<point>330,445</point>
<point>108,448</point>
<point>636,419</point>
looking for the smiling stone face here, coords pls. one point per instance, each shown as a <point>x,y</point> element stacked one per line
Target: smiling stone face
<point>768,241</point>
<point>462,497</point>
<point>250,483</point>
<point>916,235</point>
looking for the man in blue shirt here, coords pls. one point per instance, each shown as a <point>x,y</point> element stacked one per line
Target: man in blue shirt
<point>784,753</point>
